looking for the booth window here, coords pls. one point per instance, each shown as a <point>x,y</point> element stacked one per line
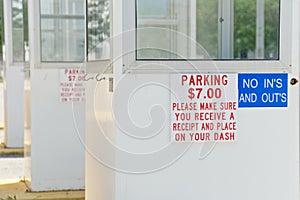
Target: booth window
<point>207,29</point>
<point>62,30</point>
<point>20,31</point>
<point>1,31</point>
<point>98,29</point>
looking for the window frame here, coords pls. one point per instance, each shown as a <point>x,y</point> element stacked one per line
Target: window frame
<point>8,54</point>
<point>35,41</point>
<point>21,29</point>
<point>283,64</point>
<point>36,60</point>
<point>61,17</point>
<point>2,42</point>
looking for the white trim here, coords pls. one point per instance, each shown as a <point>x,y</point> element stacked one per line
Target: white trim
<point>34,20</point>
<point>35,44</point>
<point>192,26</point>
<point>285,42</point>
<point>207,66</point>
<point>8,34</point>
<point>158,22</point>
<point>226,29</point>
<point>260,37</point>
<point>34,36</point>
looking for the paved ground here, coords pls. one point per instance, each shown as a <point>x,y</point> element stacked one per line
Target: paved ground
<point>18,190</point>
<point>12,169</point>
<point>1,135</point>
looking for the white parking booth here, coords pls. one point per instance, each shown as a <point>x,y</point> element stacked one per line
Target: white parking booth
<point>15,59</point>
<point>54,149</point>
<point>200,101</point>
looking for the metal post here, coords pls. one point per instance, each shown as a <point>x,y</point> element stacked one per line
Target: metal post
<point>225,29</point>
<point>260,36</point>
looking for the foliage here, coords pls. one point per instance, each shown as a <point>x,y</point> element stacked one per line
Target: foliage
<point>98,22</point>
<point>25,20</point>
<point>245,27</point>
<point>207,26</point>
<point>271,27</point>
<point>17,14</point>
<point>19,18</point>
<point>10,198</point>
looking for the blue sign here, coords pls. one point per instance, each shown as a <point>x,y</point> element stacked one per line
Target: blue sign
<point>262,90</point>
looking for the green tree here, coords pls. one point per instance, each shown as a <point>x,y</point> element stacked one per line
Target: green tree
<point>271,28</point>
<point>19,28</point>
<point>245,27</point>
<point>98,22</point>
<point>207,26</point>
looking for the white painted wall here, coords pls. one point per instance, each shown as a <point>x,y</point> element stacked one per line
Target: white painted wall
<point>1,102</point>
<point>13,88</point>
<point>14,106</point>
<point>98,177</point>
<point>262,164</point>
<point>54,131</point>
<point>55,143</point>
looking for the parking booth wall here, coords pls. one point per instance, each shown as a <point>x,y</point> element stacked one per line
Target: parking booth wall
<point>182,113</point>
<point>54,150</point>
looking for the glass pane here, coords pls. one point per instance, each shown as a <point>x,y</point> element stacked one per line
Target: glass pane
<point>98,29</point>
<point>271,29</point>
<point>25,29</point>
<point>154,8</point>
<point>207,29</point>
<point>160,35</point>
<point>62,30</point>
<point>1,31</point>
<point>156,41</point>
<point>248,40</point>
<point>207,26</point>
<point>17,31</point>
